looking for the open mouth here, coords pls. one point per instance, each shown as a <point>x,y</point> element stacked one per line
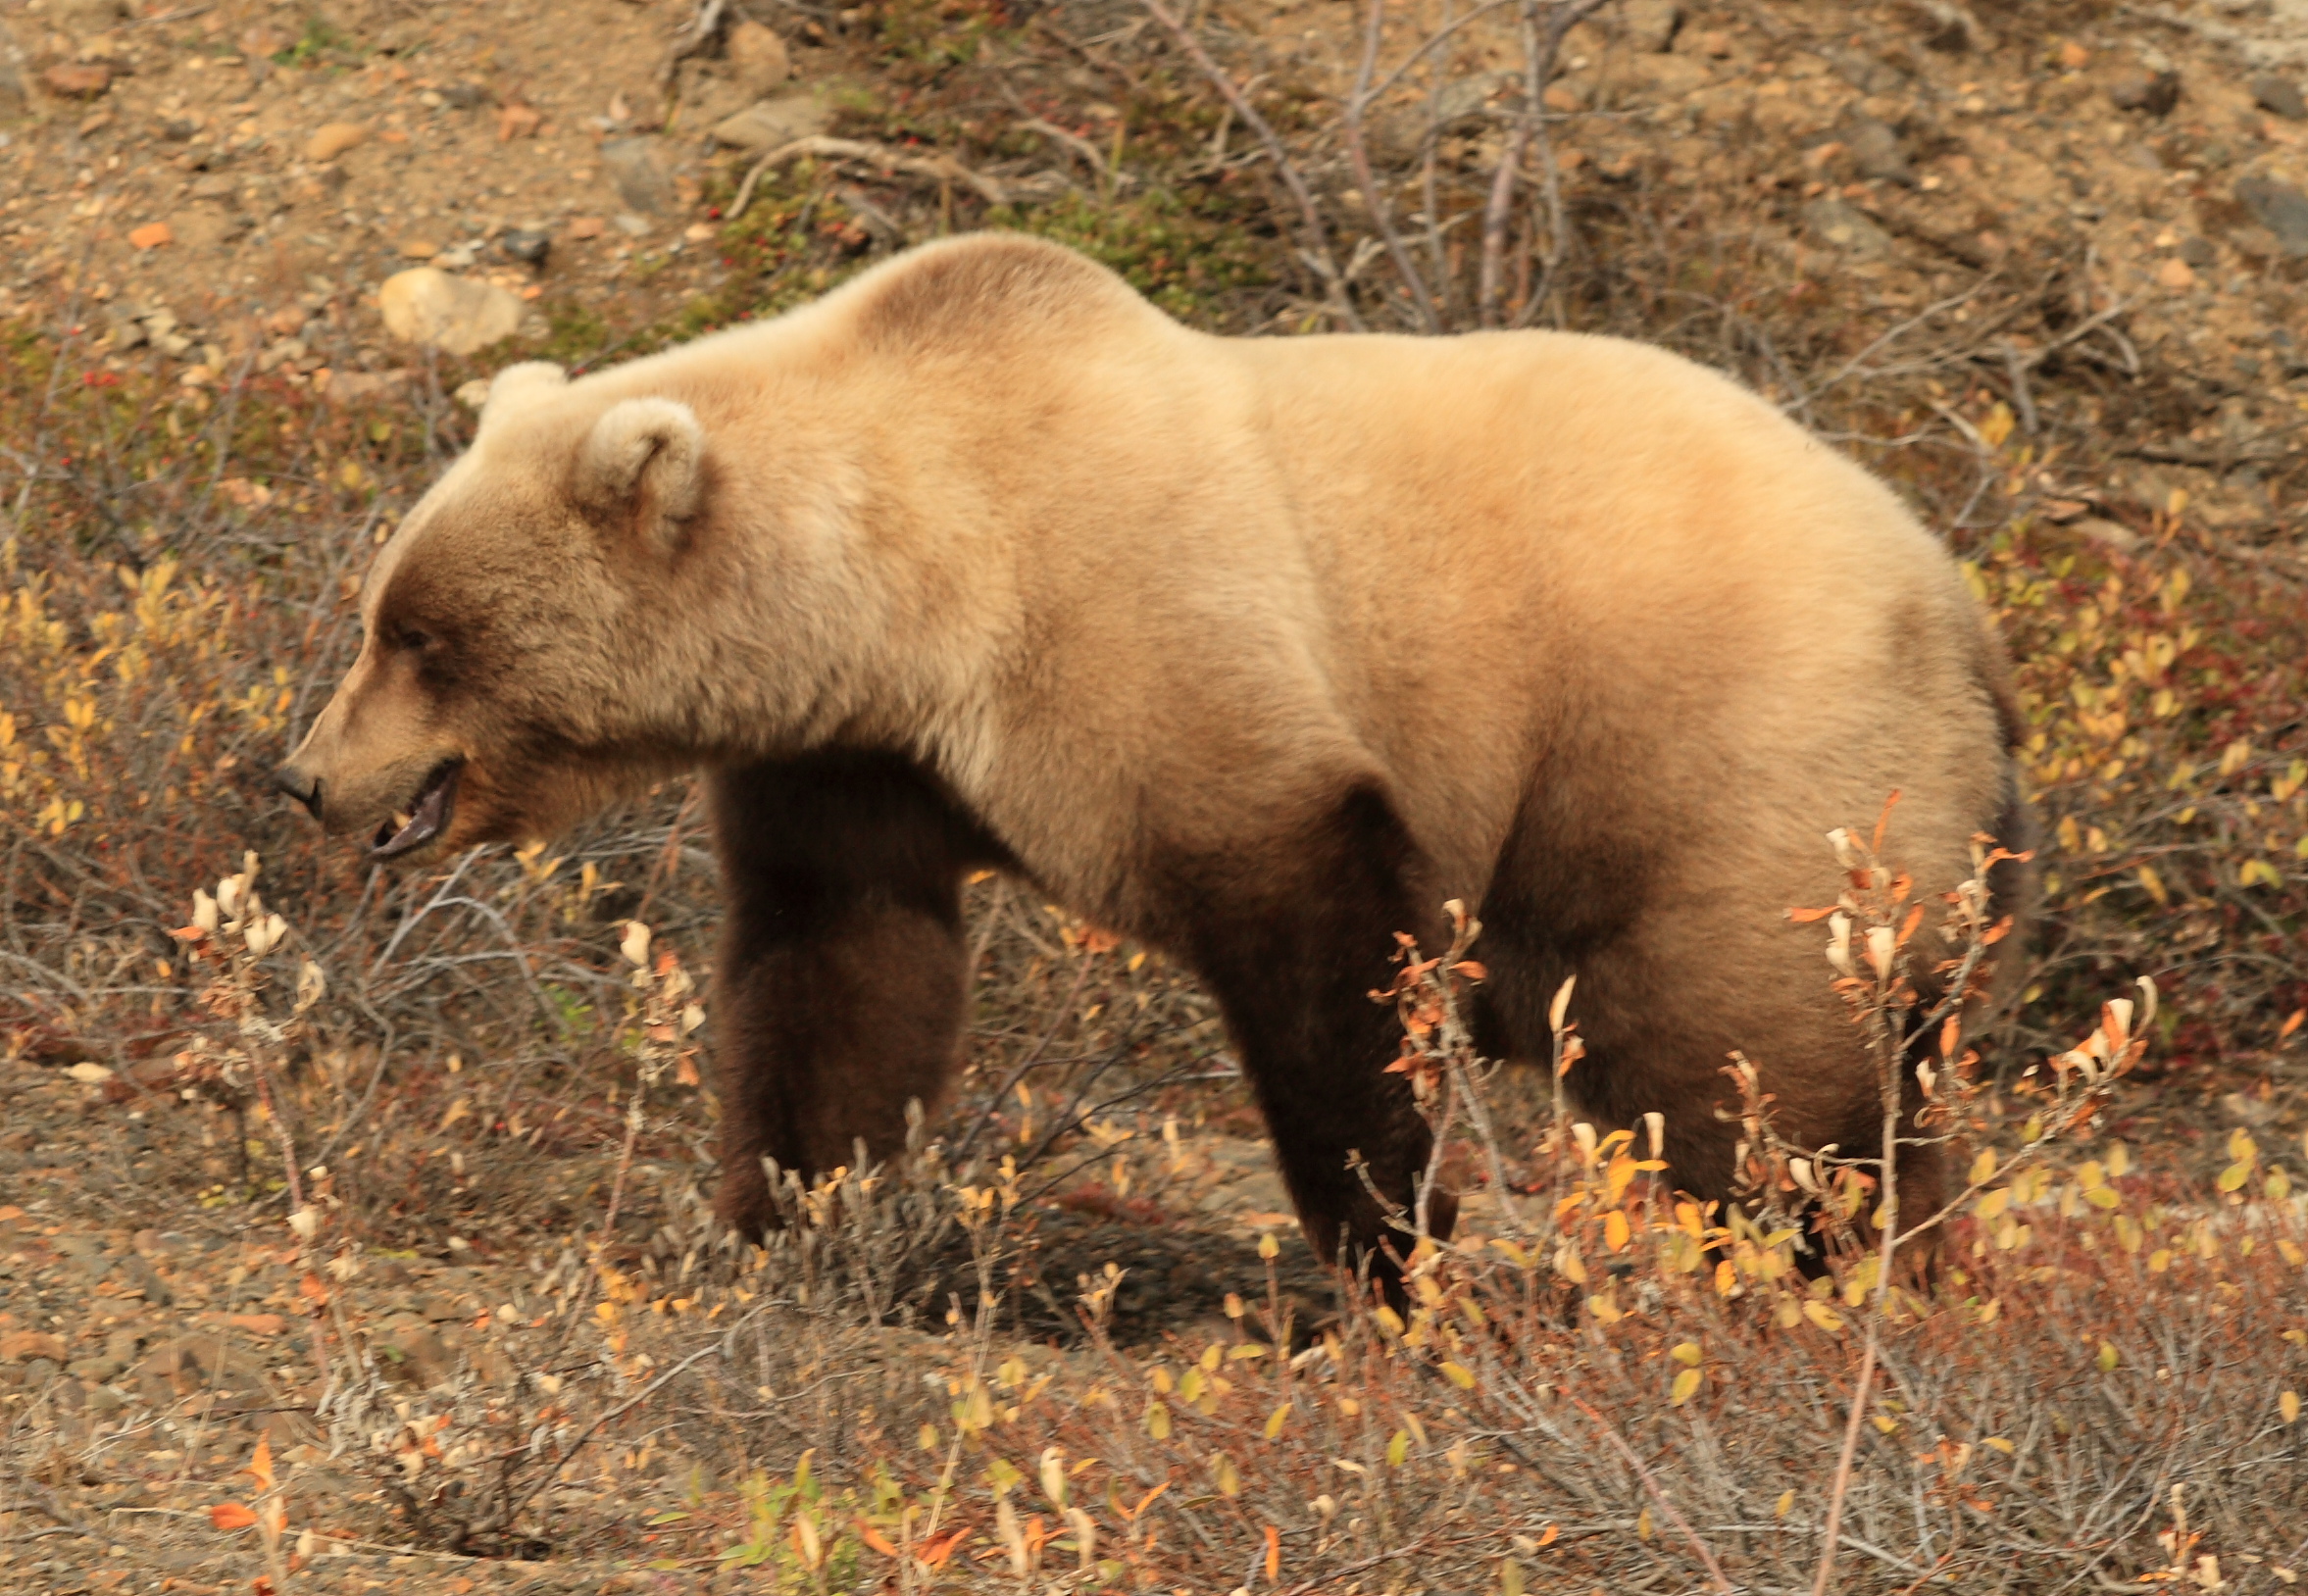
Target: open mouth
<point>427,816</point>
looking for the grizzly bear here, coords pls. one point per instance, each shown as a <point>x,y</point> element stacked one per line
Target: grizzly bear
<point>1257,650</point>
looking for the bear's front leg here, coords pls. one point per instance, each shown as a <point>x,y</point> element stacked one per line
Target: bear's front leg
<point>841,982</point>
<point>1293,939</point>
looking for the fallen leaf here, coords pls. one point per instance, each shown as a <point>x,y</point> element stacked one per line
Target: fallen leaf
<point>258,1323</point>
<point>152,236</point>
<point>231,1516</point>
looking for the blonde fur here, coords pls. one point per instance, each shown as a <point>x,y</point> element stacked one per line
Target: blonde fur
<point>1116,584</point>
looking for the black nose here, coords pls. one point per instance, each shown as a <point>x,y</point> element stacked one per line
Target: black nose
<point>305,789</point>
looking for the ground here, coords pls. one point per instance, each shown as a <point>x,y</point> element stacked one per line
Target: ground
<point>2040,265</point>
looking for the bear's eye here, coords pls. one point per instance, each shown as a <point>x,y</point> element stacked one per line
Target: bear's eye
<point>415,639</point>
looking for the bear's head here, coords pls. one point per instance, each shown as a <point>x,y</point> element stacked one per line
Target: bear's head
<point>510,626</point>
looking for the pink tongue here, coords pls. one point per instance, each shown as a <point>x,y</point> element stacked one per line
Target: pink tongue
<point>426,820</point>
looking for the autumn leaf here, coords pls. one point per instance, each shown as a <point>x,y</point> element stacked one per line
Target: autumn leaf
<point>231,1516</point>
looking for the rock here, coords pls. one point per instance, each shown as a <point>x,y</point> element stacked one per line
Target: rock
<point>632,226</point>
<point>518,121</point>
<point>587,227</point>
<point>1651,23</point>
<point>77,79</point>
<point>2279,96</point>
<point>419,249</point>
<point>2175,273</point>
<point>526,244</point>
<point>2108,534</point>
<point>1948,26</point>
<point>413,1351</point>
<point>642,168</point>
<point>464,96</point>
<point>21,1346</point>
<point>2280,208</point>
<point>1875,151</point>
<point>769,124</point>
<point>333,140</point>
<point>2199,253</point>
<point>455,315</point>
<point>2155,92</point>
<point>1841,226</point>
<point>757,58</point>
<point>83,18</point>
<point>151,235</point>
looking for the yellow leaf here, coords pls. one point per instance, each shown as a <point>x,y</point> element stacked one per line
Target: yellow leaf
<point>1398,1447</point>
<point>1686,1353</point>
<point>2288,1405</point>
<point>1686,1385</point>
<point>1614,1230</point>
<point>1984,1167</point>
<point>1158,1421</point>
<point>1787,1505</point>
<point>2000,1444</point>
<point>2108,1357</point>
<point>1996,424</point>
<point>1458,1375</point>
<point>1275,1421</point>
<point>2234,1176</point>
<point>1820,1314</point>
<point>1994,1203</point>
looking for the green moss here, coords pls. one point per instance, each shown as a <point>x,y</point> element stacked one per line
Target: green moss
<point>1177,255</point>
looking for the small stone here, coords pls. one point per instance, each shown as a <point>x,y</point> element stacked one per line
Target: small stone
<point>20,1346</point>
<point>465,96</point>
<point>419,249</point>
<point>2199,253</point>
<point>1651,24</point>
<point>1843,226</point>
<point>2279,96</point>
<point>332,140</point>
<point>630,225</point>
<point>2280,208</point>
<point>2156,93</point>
<point>151,235</point>
<point>77,79</point>
<point>757,58</point>
<point>769,124</point>
<point>2175,273</point>
<point>526,244</point>
<point>1875,151</point>
<point>179,129</point>
<point>1714,43</point>
<point>212,185</point>
<point>455,315</point>
<point>2109,534</point>
<point>643,169</point>
<point>84,18</point>
<point>587,227</point>
<point>518,121</point>
<point>1947,26</point>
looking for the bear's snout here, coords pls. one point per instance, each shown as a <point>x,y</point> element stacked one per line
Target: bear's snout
<point>305,789</point>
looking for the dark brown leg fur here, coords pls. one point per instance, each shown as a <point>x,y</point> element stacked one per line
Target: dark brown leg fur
<point>1293,942</point>
<point>840,985</point>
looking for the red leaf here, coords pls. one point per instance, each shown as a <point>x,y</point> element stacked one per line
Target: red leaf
<point>231,1516</point>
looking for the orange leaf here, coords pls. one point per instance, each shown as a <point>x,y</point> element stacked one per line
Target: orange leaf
<point>1274,1554</point>
<point>230,1515</point>
<point>151,235</point>
<point>1915,918</point>
<point>1472,971</point>
<point>933,1554</point>
<point>874,1538</point>
<point>1804,917</point>
<point>260,1463</point>
<point>1546,1536</point>
<point>2292,1023</point>
<point>685,1069</point>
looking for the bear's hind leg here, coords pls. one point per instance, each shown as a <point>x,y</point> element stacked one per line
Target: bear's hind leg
<point>840,988</point>
<point>1292,943</point>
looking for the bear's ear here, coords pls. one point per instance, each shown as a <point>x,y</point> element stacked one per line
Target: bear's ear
<point>515,383</point>
<point>644,464</point>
